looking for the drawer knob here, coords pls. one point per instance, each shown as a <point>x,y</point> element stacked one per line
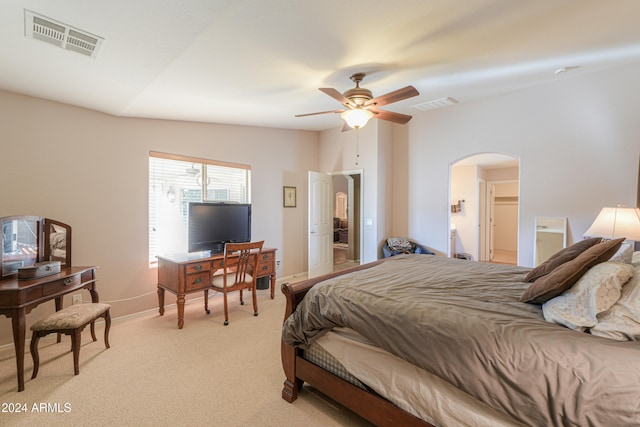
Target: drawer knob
<point>197,267</point>
<point>198,280</point>
<point>265,267</point>
<point>67,282</point>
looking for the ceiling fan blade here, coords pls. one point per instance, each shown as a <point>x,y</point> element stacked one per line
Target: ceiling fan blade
<point>395,96</point>
<point>337,96</point>
<point>320,112</point>
<point>390,116</point>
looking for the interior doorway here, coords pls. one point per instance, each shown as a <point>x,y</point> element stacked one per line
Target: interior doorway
<point>485,198</point>
<point>347,219</point>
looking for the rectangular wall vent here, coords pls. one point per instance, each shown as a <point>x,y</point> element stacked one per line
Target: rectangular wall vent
<point>434,104</point>
<point>48,30</point>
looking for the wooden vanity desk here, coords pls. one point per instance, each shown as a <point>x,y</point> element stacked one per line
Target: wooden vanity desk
<point>26,240</point>
<point>187,273</point>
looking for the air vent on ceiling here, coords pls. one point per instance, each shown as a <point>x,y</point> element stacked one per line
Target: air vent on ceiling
<point>436,103</point>
<point>40,27</point>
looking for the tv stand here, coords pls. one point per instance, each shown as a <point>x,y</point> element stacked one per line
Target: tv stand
<point>183,274</point>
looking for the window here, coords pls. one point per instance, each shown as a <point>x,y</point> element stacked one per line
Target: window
<point>174,181</point>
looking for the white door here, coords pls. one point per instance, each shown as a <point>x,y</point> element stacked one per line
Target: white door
<point>320,224</point>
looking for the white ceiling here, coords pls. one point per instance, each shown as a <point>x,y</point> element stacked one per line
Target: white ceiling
<point>260,62</point>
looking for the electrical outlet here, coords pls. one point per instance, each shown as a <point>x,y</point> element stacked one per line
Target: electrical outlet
<point>76,299</point>
<point>277,263</point>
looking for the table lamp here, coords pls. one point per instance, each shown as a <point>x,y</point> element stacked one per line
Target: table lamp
<point>613,223</point>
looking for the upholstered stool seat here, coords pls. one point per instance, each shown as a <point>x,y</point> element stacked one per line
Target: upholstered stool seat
<point>70,321</point>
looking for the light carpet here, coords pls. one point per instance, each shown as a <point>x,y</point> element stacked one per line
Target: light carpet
<point>155,374</point>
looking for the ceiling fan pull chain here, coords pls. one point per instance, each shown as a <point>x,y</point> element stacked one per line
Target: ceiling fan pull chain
<point>357,145</point>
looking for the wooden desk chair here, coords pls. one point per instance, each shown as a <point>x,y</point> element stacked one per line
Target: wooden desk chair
<point>243,261</point>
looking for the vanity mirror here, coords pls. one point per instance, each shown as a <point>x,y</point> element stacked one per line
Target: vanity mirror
<point>26,240</point>
<point>550,237</point>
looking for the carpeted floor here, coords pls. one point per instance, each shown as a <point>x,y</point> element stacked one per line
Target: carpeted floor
<point>154,374</point>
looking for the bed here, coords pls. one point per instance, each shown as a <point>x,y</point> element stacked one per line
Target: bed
<point>415,340</point>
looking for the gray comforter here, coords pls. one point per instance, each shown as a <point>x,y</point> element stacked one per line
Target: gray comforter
<point>462,321</point>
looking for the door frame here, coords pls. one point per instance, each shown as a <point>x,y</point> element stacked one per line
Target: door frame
<point>352,199</point>
<point>491,205</point>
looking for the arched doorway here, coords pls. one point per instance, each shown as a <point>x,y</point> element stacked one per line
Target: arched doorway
<point>484,192</point>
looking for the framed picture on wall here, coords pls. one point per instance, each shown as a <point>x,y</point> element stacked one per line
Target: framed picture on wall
<point>289,197</point>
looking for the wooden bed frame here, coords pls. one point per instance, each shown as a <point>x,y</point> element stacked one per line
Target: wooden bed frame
<point>368,405</point>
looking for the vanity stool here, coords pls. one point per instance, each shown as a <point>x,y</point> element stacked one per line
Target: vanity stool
<point>70,321</point>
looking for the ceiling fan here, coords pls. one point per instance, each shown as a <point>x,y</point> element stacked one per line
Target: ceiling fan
<point>360,105</point>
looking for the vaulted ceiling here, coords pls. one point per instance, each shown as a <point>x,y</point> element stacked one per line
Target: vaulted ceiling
<point>260,62</point>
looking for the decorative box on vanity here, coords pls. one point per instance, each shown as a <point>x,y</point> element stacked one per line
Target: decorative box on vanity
<point>39,269</point>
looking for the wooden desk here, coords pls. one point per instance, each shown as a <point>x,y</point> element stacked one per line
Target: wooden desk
<point>19,297</point>
<point>184,274</point>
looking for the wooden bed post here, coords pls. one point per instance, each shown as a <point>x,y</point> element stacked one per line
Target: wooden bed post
<point>288,353</point>
<point>294,293</point>
<point>291,383</point>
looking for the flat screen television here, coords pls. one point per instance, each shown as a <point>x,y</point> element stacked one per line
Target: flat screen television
<point>211,225</point>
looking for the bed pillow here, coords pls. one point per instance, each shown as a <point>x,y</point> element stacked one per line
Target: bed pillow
<point>635,259</point>
<point>624,254</point>
<point>560,257</point>
<point>594,293</point>
<point>564,276</point>
<point>622,321</point>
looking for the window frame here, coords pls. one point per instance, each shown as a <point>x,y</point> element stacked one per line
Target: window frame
<point>243,195</point>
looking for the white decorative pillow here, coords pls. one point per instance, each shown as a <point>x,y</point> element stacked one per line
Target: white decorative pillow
<point>624,254</point>
<point>622,321</point>
<point>596,291</point>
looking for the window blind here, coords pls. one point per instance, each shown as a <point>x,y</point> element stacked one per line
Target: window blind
<point>176,180</point>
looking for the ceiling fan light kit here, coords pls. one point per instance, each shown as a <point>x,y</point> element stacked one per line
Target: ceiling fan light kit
<point>360,105</point>
<point>357,118</point>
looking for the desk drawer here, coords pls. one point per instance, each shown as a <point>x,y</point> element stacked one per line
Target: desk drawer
<point>197,281</point>
<point>62,285</point>
<point>197,267</point>
<point>266,264</point>
<point>265,268</point>
<point>268,256</point>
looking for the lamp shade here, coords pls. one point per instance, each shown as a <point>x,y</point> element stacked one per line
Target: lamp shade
<point>614,223</point>
<point>357,117</point>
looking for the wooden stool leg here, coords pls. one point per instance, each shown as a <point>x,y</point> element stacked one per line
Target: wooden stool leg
<point>75,343</point>
<point>107,325</point>
<point>34,353</point>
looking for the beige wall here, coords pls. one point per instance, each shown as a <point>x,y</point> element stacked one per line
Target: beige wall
<point>90,170</point>
<point>374,142</point>
<point>577,138</point>
<point>464,186</point>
